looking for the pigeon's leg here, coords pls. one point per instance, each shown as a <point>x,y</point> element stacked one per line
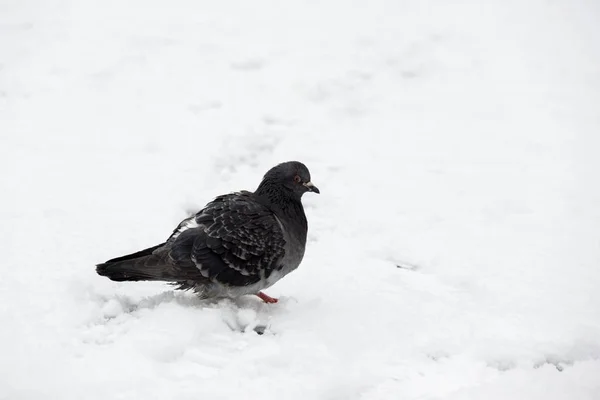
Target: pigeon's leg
<point>267,299</point>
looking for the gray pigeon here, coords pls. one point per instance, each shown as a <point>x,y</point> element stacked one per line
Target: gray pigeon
<point>240,243</point>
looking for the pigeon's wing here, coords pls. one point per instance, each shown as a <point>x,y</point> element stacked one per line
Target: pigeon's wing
<point>186,224</point>
<point>234,240</point>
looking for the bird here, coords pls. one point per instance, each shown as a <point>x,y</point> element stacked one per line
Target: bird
<point>239,244</point>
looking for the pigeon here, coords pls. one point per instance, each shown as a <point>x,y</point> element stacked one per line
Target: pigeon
<point>238,244</point>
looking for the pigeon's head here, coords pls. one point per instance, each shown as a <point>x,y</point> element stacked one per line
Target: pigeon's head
<point>293,175</point>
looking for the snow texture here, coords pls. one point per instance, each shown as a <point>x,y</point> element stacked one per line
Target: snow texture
<point>453,253</point>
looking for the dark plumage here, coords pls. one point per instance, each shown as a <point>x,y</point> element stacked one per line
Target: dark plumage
<point>240,243</point>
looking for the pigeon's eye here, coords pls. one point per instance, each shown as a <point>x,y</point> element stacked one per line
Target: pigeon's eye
<point>297,179</point>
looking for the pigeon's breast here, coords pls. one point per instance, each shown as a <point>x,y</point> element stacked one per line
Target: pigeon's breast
<point>295,244</point>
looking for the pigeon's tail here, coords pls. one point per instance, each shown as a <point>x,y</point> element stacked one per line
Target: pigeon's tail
<point>134,270</point>
<point>141,266</point>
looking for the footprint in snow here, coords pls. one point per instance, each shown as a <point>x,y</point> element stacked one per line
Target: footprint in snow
<point>244,314</point>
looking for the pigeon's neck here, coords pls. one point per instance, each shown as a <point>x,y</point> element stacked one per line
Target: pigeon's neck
<point>283,202</point>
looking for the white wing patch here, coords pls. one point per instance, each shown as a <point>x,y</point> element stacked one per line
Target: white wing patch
<point>188,223</point>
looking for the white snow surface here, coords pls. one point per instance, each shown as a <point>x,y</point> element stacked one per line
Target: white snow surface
<point>454,252</point>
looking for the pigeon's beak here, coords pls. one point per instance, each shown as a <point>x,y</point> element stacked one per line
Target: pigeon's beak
<point>311,187</point>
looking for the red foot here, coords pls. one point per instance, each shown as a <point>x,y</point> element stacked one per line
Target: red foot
<point>267,299</point>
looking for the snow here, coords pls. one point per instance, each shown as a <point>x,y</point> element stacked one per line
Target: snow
<point>454,251</point>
